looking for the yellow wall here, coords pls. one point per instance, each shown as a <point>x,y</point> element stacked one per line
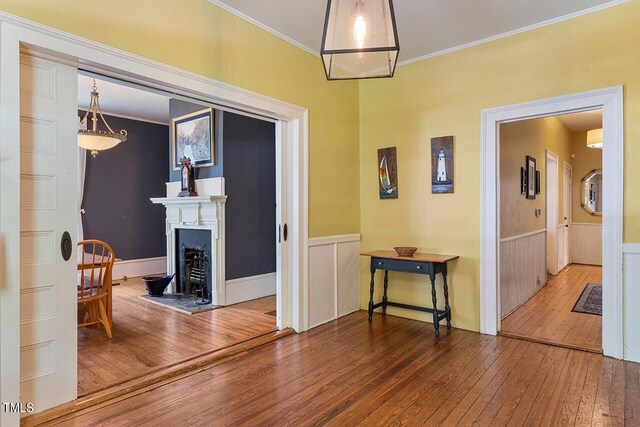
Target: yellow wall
<point>436,97</point>
<point>444,96</point>
<point>195,35</point>
<point>586,159</point>
<point>533,138</point>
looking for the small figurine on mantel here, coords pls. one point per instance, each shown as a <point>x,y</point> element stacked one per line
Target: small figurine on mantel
<point>187,180</point>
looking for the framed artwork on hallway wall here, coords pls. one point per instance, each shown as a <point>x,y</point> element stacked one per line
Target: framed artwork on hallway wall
<point>192,137</point>
<point>388,173</point>
<point>533,180</point>
<point>442,165</point>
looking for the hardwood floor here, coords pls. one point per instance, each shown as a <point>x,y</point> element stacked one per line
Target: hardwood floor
<point>547,316</point>
<point>147,336</point>
<point>392,372</point>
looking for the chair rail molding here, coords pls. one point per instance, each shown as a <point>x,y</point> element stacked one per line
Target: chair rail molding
<point>610,100</point>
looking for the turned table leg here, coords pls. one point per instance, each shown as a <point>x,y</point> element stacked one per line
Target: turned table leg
<point>436,323</point>
<point>371,285</point>
<point>447,308</point>
<point>384,295</point>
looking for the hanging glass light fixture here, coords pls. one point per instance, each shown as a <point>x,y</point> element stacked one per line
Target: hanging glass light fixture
<point>360,39</point>
<point>94,139</point>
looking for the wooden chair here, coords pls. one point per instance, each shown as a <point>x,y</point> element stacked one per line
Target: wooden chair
<point>94,273</point>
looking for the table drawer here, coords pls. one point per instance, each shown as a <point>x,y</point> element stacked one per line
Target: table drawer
<point>402,265</point>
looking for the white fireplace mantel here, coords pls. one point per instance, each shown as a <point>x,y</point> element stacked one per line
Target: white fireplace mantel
<point>198,213</point>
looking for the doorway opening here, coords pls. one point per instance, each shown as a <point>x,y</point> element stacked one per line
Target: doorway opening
<point>550,253</point>
<point>151,332</point>
<point>39,307</point>
<point>610,101</point>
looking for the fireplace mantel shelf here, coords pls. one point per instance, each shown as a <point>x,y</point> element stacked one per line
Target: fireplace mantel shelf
<point>188,200</point>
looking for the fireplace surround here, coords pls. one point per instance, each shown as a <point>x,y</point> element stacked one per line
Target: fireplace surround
<point>196,224</point>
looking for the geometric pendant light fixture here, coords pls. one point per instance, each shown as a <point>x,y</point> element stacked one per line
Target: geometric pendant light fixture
<point>94,139</point>
<point>360,39</point>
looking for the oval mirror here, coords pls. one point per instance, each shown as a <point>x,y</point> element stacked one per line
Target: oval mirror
<point>592,192</point>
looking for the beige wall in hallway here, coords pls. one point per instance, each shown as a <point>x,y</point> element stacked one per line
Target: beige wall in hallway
<point>517,140</point>
<point>586,159</point>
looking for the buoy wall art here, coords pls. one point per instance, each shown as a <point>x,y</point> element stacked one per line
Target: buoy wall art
<point>387,173</point>
<point>442,165</point>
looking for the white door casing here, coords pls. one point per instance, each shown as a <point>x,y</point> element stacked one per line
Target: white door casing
<point>610,100</point>
<point>48,187</point>
<point>551,196</point>
<point>566,211</point>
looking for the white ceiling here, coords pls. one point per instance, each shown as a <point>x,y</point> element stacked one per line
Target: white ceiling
<point>425,27</point>
<point>120,100</point>
<point>578,122</point>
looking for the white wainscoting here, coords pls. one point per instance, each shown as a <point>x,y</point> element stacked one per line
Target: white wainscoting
<point>248,288</point>
<point>560,253</point>
<point>631,257</point>
<point>139,267</point>
<point>334,277</point>
<point>523,268</point>
<point>586,243</point>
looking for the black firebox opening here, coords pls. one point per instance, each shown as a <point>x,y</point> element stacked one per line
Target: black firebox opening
<point>193,266</point>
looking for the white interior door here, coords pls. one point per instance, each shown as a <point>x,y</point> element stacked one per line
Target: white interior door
<point>552,211</point>
<point>282,290</point>
<point>566,211</point>
<point>48,173</point>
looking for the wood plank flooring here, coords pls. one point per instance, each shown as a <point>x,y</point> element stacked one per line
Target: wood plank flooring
<point>392,372</point>
<point>147,336</point>
<point>547,316</point>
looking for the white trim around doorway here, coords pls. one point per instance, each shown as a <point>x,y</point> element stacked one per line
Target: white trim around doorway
<point>17,33</point>
<point>610,100</point>
<point>551,208</point>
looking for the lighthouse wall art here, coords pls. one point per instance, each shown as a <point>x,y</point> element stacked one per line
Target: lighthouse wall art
<point>387,173</point>
<point>442,164</point>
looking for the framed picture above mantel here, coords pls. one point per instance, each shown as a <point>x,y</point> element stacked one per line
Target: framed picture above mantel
<point>192,137</point>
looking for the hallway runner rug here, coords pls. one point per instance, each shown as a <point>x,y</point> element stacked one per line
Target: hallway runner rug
<point>590,300</point>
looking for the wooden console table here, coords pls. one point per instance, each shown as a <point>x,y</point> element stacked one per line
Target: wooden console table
<point>419,263</point>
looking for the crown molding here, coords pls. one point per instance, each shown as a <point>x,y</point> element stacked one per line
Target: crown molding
<point>259,24</point>
<point>548,22</point>
<point>515,32</point>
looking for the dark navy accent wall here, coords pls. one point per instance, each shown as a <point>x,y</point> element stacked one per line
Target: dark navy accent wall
<point>118,185</point>
<point>245,151</point>
<point>179,108</point>
<point>250,180</point>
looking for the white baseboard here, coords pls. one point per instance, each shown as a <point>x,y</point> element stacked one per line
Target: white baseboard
<point>248,288</point>
<point>139,267</point>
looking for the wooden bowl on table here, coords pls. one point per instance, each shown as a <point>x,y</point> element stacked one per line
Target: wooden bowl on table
<point>406,251</point>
